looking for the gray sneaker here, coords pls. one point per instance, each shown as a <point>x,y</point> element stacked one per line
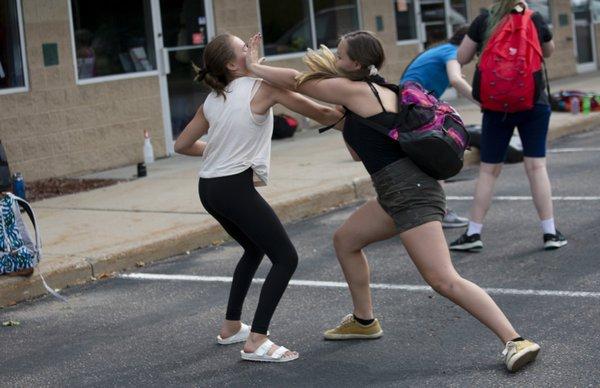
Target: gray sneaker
<point>453,220</point>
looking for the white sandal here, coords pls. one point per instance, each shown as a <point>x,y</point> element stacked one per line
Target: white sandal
<point>262,354</point>
<point>240,336</point>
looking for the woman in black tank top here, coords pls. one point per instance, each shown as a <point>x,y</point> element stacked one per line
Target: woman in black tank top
<point>375,150</point>
<point>409,203</point>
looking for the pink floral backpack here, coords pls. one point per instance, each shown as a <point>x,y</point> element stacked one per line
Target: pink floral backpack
<point>429,131</point>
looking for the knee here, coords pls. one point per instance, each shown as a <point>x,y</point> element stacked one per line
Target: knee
<point>532,166</point>
<point>342,241</point>
<point>339,240</point>
<point>254,253</point>
<point>491,170</point>
<point>290,263</point>
<point>443,285</point>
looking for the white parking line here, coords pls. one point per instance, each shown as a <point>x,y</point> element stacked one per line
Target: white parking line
<point>581,149</point>
<point>522,198</point>
<point>382,286</point>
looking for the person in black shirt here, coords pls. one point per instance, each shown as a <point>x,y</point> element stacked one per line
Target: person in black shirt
<point>497,129</point>
<point>410,204</point>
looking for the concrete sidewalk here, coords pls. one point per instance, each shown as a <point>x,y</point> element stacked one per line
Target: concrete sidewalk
<point>90,235</point>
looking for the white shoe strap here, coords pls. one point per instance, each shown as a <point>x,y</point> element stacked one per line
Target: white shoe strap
<point>264,348</point>
<point>280,352</point>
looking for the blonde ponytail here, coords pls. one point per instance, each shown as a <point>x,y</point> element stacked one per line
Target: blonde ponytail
<point>321,65</point>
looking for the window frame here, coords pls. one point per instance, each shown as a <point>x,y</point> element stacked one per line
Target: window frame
<point>408,42</point>
<point>468,16</point>
<point>313,32</point>
<point>107,78</point>
<point>550,15</point>
<point>25,87</point>
<point>595,18</point>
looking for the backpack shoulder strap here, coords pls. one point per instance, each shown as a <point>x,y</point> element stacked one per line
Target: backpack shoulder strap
<point>327,128</point>
<point>27,207</point>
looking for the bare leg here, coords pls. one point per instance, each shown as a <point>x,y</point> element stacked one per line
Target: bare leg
<point>540,186</point>
<point>427,248</point>
<point>370,223</point>
<point>484,190</point>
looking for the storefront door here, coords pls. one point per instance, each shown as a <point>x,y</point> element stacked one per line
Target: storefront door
<point>183,27</point>
<point>584,35</point>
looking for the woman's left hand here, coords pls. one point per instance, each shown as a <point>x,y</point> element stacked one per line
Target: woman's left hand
<point>253,54</point>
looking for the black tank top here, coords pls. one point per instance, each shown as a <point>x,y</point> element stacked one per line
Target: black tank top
<point>375,149</point>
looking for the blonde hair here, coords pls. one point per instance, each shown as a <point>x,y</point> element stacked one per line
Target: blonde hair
<point>363,47</point>
<point>498,12</point>
<point>321,65</point>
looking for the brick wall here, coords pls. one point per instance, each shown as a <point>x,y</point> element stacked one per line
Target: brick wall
<point>562,63</point>
<point>58,128</point>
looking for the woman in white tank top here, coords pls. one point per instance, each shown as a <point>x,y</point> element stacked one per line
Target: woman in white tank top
<point>237,118</point>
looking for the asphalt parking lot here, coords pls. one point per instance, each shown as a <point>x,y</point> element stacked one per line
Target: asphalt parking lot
<point>133,331</point>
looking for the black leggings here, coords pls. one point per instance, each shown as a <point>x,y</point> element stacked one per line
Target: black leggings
<point>249,219</point>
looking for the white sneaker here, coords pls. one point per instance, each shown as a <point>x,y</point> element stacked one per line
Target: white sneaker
<point>517,354</point>
<point>453,220</point>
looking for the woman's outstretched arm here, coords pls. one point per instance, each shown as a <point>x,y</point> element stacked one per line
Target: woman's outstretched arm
<point>298,103</point>
<point>334,90</point>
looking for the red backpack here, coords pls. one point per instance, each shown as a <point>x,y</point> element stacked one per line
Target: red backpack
<point>509,73</point>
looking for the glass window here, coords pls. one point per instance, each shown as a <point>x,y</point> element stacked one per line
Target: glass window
<point>334,18</point>
<point>287,26</point>
<point>113,37</point>
<point>406,19</point>
<point>12,63</point>
<point>543,7</point>
<point>596,10</point>
<point>458,14</point>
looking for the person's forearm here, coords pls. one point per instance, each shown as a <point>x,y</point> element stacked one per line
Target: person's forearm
<point>278,76</point>
<point>196,149</point>
<point>464,89</point>
<point>327,116</point>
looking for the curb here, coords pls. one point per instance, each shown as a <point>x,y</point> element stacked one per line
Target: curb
<point>74,270</point>
<point>78,270</point>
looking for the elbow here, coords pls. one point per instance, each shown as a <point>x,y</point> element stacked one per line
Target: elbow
<point>464,57</point>
<point>177,147</point>
<point>330,114</point>
<point>326,115</point>
<point>548,49</point>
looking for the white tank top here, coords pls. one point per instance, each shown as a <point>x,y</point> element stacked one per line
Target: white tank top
<point>237,139</point>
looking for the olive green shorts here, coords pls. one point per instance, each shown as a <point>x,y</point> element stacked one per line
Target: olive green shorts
<point>408,195</point>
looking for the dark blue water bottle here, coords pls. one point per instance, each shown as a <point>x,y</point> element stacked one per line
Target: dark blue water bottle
<point>19,185</point>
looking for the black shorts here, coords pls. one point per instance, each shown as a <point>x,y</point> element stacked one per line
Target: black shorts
<point>408,195</point>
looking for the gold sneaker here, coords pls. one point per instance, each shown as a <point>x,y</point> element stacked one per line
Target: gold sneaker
<point>349,328</point>
<point>519,353</point>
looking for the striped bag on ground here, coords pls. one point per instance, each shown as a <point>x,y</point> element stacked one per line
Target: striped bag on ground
<point>19,253</point>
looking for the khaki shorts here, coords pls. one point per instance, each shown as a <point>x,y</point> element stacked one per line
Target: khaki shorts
<point>408,195</point>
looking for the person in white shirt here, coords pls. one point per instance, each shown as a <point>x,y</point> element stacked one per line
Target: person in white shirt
<point>238,120</point>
